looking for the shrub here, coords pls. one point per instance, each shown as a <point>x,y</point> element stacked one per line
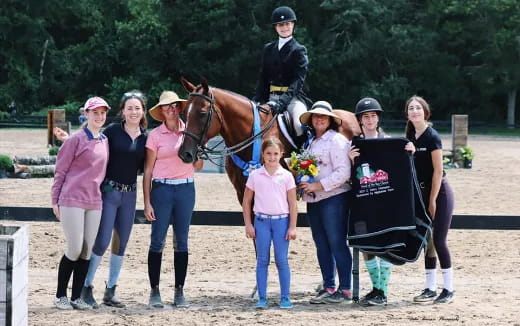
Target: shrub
<point>5,162</point>
<point>4,116</point>
<point>466,153</point>
<point>54,150</point>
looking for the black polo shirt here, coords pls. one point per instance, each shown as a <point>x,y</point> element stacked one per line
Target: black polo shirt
<point>424,146</point>
<point>126,156</point>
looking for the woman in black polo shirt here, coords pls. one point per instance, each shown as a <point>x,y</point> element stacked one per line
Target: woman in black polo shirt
<point>437,196</point>
<point>283,70</point>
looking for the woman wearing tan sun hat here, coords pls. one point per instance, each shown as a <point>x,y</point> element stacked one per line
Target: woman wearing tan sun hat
<point>166,98</point>
<point>323,108</point>
<point>169,194</point>
<point>328,203</point>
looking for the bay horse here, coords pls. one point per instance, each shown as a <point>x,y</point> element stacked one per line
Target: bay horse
<point>210,111</point>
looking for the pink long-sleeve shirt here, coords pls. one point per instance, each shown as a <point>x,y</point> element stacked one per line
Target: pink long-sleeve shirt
<point>331,150</point>
<point>80,169</point>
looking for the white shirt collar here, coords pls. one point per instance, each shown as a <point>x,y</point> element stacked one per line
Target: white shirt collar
<point>283,41</point>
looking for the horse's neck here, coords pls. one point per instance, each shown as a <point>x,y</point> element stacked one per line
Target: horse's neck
<point>237,117</point>
<point>237,121</point>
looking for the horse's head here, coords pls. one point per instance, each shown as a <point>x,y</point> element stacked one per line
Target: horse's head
<point>199,113</point>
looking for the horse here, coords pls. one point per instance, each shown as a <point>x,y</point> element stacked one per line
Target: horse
<point>234,122</point>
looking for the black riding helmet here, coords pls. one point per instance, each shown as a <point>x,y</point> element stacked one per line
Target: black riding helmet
<point>283,15</point>
<point>368,104</point>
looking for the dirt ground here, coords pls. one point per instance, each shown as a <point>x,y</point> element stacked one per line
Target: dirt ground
<point>221,271</point>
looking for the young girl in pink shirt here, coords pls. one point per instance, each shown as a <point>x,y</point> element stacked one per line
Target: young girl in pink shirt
<point>76,200</point>
<point>275,212</point>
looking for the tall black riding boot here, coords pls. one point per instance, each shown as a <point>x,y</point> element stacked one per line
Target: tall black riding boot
<point>180,264</point>
<point>154,274</point>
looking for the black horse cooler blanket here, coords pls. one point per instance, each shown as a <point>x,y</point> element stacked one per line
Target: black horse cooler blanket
<point>387,218</point>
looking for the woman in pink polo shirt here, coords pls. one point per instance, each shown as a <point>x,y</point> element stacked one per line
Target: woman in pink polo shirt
<point>169,194</point>
<point>76,199</point>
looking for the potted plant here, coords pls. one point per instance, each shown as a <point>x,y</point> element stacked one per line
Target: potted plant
<point>467,155</point>
<point>6,164</point>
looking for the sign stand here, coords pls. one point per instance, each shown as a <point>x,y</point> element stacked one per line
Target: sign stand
<point>56,118</point>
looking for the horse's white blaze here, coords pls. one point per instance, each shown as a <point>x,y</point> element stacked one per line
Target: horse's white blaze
<point>189,109</point>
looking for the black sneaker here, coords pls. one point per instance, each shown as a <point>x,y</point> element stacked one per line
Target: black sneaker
<point>445,297</point>
<point>427,295</point>
<point>320,297</point>
<point>337,297</point>
<point>368,296</point>
<point>378,300</point>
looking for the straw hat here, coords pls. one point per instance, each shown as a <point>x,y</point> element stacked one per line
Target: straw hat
<point>167,97</point>
<point>320,107</point>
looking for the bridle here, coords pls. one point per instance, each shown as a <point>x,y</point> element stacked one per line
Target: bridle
<point>204,152</point>
<point>199,139</point>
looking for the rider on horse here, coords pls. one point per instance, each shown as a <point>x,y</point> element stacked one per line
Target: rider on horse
<point>283,70</point>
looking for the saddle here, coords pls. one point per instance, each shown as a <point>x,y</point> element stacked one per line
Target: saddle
<point>285,122</point>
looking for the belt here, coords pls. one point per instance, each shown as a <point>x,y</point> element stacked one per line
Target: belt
<point>174,181</point>
<point>113,185</point>
<point>274,88</point>
<point>272,217</point>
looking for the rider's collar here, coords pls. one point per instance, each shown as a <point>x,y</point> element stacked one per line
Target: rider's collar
<point>282,41</point>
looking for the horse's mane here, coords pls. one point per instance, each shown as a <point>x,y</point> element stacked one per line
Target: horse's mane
<point>236,94</point>
<point>240,96</point>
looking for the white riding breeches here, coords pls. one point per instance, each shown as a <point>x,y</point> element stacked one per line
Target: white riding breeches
<point>296,108</point>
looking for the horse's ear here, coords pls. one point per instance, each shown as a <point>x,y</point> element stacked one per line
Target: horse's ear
<point>204,83</point>
<point>349,125</point>
<point>189,87</point>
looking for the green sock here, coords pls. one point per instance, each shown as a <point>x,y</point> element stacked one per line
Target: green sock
<point>373,270</point>
<point>385,271</point>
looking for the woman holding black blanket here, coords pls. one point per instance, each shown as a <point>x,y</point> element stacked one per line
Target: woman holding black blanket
<point>368,112</point>
<point>437,196</point>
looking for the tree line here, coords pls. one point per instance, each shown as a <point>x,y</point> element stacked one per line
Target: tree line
<point>463,56</point>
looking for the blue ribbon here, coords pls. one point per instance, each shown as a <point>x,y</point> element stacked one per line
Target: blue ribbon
<point>299,192</point>
<point>248,167</point>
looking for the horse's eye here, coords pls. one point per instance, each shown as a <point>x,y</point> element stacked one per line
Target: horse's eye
<point>204,112</point>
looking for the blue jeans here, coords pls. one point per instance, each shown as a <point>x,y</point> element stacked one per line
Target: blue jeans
<point>328,221</point>
<point>118,215</point>
<point>274,230</point>
<point>172,204</point>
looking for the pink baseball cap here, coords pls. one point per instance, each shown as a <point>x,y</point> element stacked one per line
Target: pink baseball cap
<point>95,102</point>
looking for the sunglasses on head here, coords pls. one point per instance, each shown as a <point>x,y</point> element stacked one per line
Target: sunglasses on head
<point>138,95</point>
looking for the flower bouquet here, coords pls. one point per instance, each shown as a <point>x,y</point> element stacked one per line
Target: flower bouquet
<point>306,166</point>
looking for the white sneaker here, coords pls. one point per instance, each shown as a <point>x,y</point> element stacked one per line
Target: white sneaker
<point>80,304</point>
<point>62,303</point>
